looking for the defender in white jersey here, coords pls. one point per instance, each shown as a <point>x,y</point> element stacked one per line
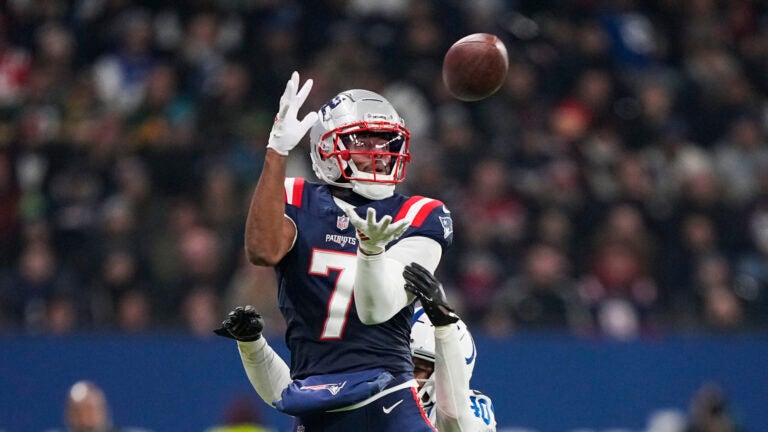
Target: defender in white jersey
<point>443,359</point>
<point>444,356</point>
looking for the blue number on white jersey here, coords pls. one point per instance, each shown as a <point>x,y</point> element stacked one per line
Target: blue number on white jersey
<point>482,417</point>
<point>482,407</point>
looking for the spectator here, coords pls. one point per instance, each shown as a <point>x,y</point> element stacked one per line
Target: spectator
<point>751,269</point>
<point>199,311</point>
<point>14,68</point>
<point>624,223</point>
<point>554,228</point>
<point>241,415</point>
<point>721,309</point>
<point>542,297</point>
<point>41,286</point>
<point>493,217</point>
<point>134,312</point>
<point>121,75</point>
<point>710,411</point>
<point>493,222</point>
<point>119,275</point>
<point>740,158</point>
<point>87,410</point>
<point>621,295</point>
<point>10,221</point>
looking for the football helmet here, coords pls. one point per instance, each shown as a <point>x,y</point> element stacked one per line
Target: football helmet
<point>423,347</point>
<point>360,142</point>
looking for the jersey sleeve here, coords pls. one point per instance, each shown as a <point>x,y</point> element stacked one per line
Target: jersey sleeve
<point>293,192</point>
<point>429,218</point>
<point>268,373</point>
<point>294,195</point>
<point>458,408</point>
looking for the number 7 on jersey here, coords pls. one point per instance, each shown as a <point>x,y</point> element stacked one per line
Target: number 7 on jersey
<point>323,261</point>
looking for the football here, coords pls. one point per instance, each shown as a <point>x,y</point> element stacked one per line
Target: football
<point>475,66</point>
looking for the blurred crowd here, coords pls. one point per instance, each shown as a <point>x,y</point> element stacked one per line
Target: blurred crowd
<point>617,183</point>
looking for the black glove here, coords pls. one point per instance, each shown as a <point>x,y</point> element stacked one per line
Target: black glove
<point>243,324</point>
<point>421,283</point>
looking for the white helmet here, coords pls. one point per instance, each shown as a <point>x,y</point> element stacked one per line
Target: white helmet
<point>336,137</point>
<point>423,347</point>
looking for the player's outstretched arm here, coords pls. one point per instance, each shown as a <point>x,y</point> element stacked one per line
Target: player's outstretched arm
<point>378,287</point>
<point>266,371</point>
<point>452,392</point>
<point>455,411</point>
<point>269,235</point>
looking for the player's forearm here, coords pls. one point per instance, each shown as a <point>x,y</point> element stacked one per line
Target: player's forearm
<point>451,378</point>
<point>378,289</point>
<point>379,284</point>
<point>265,242</point>
<point>266,371</point>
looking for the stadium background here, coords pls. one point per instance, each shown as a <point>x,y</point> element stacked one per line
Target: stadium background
<point>613,192</point>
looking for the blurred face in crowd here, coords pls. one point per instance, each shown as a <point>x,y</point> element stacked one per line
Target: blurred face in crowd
<point>87,409</point>
<point>545,266</point>
<point>37,264</point>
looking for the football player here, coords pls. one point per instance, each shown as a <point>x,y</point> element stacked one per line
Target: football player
<point>339,248</point>
<point>444,356</point>
<point>443,353</point>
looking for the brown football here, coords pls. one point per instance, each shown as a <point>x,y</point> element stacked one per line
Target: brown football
<point>475,66</point>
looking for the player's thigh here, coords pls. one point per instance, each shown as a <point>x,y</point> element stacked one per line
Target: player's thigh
<point>398,412</point>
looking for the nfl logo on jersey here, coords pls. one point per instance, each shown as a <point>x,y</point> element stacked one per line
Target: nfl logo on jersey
<point>342,222</point>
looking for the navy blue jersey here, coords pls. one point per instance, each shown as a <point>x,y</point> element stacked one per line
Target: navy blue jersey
<point>316,277</point>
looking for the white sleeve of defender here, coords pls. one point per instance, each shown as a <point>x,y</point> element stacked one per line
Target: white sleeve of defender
<point>268,373</point>
<point>451,383</point>
<point>379,283</point>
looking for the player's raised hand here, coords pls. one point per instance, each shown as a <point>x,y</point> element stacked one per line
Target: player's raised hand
<point>288,131</point>
<point>421,283</point>
<point>243,324</point>
<point>376,235</point>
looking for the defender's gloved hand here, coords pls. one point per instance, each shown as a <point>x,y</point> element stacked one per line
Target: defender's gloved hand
<point>376,235</point>
<point>288,131</point>
<point>243,324</point>
<point>421,283</point>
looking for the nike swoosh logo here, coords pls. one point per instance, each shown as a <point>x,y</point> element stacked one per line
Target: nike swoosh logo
<point>389,410</point>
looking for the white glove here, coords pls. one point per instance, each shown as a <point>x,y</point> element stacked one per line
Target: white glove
<point>288,131</point>
<point>375,236</point>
